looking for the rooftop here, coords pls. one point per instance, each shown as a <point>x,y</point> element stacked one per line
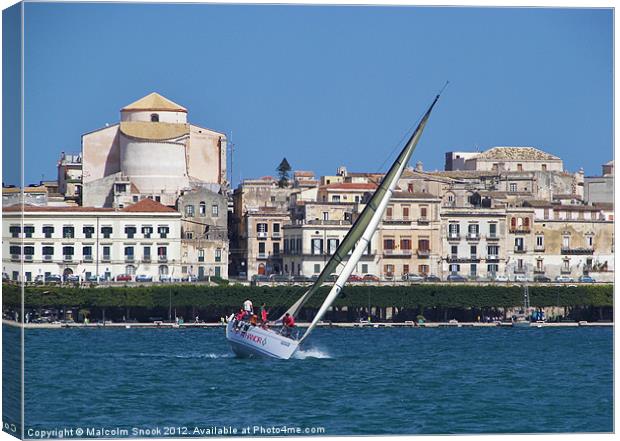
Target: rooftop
<point>154,101</point>
<point>517,154</point>
<point>153,130</point>
<point>350,186</point>
<point>144,206</point>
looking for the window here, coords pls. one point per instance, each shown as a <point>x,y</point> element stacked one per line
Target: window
<point>106,253</point>
<point>262,229</point>
<point>276,249</point>
<point>405,213</point>
<point>146,254</point>
<point>423,212</point>
<point>317,268</point>
<point>130,232</point>
<point>540,241</point>
<point>317,246</point>
<point>202,208</point>
<point>130,270</point>
<point>473,251</point>
<point>28,230</point>
<point>454,230</point>
<point>88,231</point>
<point>87,252</point>
<point>48,251</point>
<point>473,230</point>
<point>68,232</point>
<point>566,242</point>
<point>388,213</point>
<point>405,244</point>
<point>218,253</point>
<point>546,213</point>
<point>106,231</point>
<point>454,268</point>
<point>364,268</point>
<point>134,198</point>
<point>544,167</point>
<point>276,229</point>
<point>492,268</point>
<point>492,230</point>
<point>332,244</point>
<point>513,187</point>
<point>519,244</point>
<point>388,270</point>
<point>326,215</point>
<point>154,117</point>
<point>48,231</point>
<point>121,188</point>
<point>473,269</point>
<point>147,231</point>
<point>201,255</point>
<point>162,253</point>
<point>189,211</point>
<point>129,253</point>
<point>520,167</point>
<point>261,249</point>
<point>158,198</point>
<point>410,188</point>
<point>389,244</point>
<point>590,240</point>
<point>215,210</point>
<point>454,249</point>
<point>423,270</point>
<point>189,235</point>
<point>15,250</point>
<point>335,198</point>
<point>405,269</point>
<point>423,244</point>
<point>68,252</point>
<point>163,232</point>
<point>29,251</point>
<point>493,251</point>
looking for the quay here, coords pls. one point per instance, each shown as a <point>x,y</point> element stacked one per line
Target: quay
<point>167,325</point>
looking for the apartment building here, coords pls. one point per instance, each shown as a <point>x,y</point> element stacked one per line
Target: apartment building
<point>144,238</point>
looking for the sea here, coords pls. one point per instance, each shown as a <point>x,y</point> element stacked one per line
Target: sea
<point>364,381</point>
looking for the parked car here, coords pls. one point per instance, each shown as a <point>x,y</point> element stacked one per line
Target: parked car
<point>52,278</point>
<point>301,279</point>
<point>165,278</point>
<point>521,278</point>
<point>144,278</point>
<point>500,278</point>
<point>541,279</point>
<point>370,278</point>
<point>72,278</point>
<point>280,278</point>
<point>6,278</point>
<point>354,278</point>
<point>123,278</point>
<point>39,279</point>
<point>456,278</point>
<point>92,278</point>
<point>432,278</point>
<point>413,278</point>
<point>188,279</point>
<point>332,278</point>
<point>586,279</point>
<point>260,278</point>
<point>564,279</point>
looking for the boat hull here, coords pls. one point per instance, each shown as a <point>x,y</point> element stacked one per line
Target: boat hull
<point>253,341</point>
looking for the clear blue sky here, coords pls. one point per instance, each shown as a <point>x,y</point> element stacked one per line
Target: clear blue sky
<point>325,86</point>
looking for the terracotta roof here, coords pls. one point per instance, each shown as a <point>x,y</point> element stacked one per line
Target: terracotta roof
<point>538,203</point>
<point>516,154</point>
<point>463,173</point>
<point>350,186</point>
<point>37,189</point>
<point>153,130</point>
<point>303,173</point>
<point>154,101</point>
<point>604,205</point>
<point>575,208</point>
<point>416,195</point>
<point>567,196</point>
<point>148,206</point>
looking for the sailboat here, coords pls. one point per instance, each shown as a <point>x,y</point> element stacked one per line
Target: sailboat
<point>522,319</point>
<point>246,339</point>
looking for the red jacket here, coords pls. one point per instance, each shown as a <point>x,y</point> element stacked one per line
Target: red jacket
<point>289,321</point>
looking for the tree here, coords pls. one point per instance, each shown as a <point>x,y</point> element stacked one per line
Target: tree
<point>283,173</point>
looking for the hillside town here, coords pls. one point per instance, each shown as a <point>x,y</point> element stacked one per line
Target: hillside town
<point>149,199</point>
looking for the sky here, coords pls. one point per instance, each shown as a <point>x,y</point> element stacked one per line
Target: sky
<point>324,86</point>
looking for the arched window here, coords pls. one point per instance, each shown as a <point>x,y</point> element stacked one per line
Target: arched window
<point>526,222</point>
<point>513,222</point>
<point>261,269</point>
<point>154,117</point>
<point>163,269</point>
<point>202,208</point>
<point>130,270</point>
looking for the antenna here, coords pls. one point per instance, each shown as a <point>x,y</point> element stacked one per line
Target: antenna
<point>232,151</point>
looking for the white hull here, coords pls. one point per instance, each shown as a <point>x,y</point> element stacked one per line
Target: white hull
<point>252,341</point>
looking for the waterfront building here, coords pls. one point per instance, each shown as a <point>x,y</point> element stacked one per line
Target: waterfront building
<point>521,245</point>
<point>204,233</point>
<point>34,195</point>
<point>572,240</point>
<point>345,191</point>
<point>152,152</point>
<point>143,238</point>
<point>508,158</point>
<point>409,236</point>
<point>600,188</point>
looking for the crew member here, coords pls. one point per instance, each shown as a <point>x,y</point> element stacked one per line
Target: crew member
<point>288,323</point>
<point>263,313</point>
<point>248,307</point>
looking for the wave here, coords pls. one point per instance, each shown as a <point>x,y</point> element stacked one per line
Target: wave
<point>310,353</point>
<point>209,355</point>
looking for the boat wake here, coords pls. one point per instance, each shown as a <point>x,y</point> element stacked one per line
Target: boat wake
<point>196,355</point>
<point>310,353</point>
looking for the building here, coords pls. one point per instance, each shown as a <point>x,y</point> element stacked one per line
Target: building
<point>144,238</point>
<point>34,195</point>
<point>600,188</point>
<point>520,159</point>
<point>409,236</point>
<point>152,152</point>
<point>204,233</point>
<point>70,177</point>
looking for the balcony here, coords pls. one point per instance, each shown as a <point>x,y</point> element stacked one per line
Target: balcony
<point>454,236</point>
<point>564,270</point>
<point>15,256</point>
<point>397,221</point>
<point>397,253</point>
<point>87,258</point>
<point>67,258</point>
<point>539,270</point>
<point>262,256</point>
<point>492,237</point>
<point>276,235</point>
<point>521,249</point>
<point>539,248</point>
<point>423,253</point>
<point>48,258</point>
<point>492,258</point>
<point>519,230</point>
<point>261,235</point>
<point>28,257</point>
<point>473,236</point>
<point>573,251</point>
<point>520,270</point>
<point>129,259</point>
<point>146,259</point>
<point>453,258</point>
<point>423,221</point>
<point>162,259</point>
<point>105,258</point>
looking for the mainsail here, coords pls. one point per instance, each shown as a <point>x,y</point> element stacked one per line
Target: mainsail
<point>363,228</point>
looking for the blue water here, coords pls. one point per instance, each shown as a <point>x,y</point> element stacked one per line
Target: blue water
<point>351,381</point>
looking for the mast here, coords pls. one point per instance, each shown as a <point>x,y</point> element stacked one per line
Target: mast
<point>356,231</point>
<point>374,211</point>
